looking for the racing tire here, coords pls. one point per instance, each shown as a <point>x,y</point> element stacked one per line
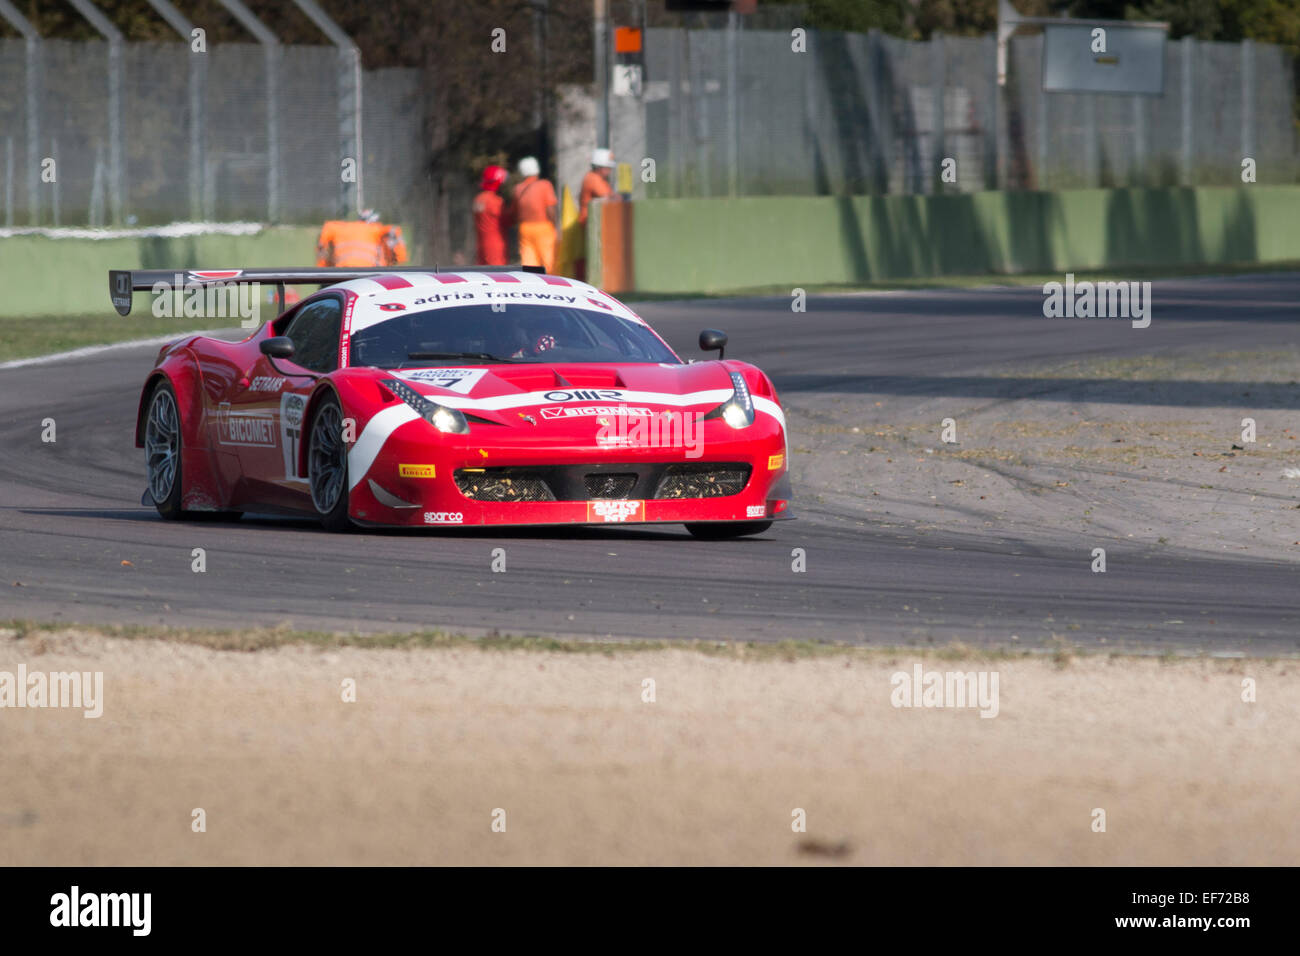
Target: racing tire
<point>327,466</point>
<point>162,444</point>
<point>721,530</point>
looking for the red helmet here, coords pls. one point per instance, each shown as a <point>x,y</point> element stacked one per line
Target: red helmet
<point>493,177</point>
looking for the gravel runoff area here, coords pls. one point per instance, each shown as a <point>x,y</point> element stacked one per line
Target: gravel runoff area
<point>442,740</point>
<point>1153,450</point>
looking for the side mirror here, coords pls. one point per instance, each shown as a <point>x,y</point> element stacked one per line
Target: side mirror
<point>278,346</point>
<point>711,339</point>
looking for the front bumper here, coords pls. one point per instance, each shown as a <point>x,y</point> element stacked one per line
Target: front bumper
<point>414,483</point>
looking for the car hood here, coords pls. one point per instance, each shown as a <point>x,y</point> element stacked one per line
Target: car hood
<point>553,388</point>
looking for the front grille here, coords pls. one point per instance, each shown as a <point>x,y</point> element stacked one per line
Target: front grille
<point>503,484</point>
<point>609,484</point>
<point>704,480</point>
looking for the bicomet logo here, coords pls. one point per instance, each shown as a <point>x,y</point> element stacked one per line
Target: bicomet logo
<point>75,908</point>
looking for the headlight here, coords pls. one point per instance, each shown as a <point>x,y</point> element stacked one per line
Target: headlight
<point>449,420</point>
<point>738,410</point>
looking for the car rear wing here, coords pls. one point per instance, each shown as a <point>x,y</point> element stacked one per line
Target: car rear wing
<point>123,282</point>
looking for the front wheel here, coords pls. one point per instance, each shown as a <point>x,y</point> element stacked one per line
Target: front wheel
<point>719,530</point>
<point>327,466</point>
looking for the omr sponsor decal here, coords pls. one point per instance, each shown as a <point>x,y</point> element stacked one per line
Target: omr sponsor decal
<point>415,471</point>
<point>615,510</point>
<point>585,395</point>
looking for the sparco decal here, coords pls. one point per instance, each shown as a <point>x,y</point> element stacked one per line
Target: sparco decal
<point>585,395</point>
<point>755,511</point>
<point>444,517</point>
<point>615,510</point>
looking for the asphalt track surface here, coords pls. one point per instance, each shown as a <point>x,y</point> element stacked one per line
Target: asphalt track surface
<point>70,517</point>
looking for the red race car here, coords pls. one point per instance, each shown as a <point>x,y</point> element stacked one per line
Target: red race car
<point>408,397</point>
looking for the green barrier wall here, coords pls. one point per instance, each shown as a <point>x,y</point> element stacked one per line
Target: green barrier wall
<point>716,245</point>
<point>42,276</point>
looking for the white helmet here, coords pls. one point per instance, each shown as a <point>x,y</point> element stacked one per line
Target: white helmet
<point>369,215</point>
<point>603,157</point>
<point>528,166</point>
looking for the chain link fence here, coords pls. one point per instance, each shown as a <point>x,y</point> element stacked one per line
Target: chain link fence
<point>742,113</point>
<point>240,133</point>
<point>251,133</point>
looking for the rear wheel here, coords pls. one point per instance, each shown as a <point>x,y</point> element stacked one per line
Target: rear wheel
<point>162,447</point>
<point>327,466</point>
<point>719,530</point>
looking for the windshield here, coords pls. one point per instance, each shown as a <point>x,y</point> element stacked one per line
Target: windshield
<point>476,335</point>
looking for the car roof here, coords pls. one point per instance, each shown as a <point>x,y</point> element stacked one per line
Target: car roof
<point>400,291</point>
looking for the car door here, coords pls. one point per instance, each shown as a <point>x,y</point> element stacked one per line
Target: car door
<point>277,395</point>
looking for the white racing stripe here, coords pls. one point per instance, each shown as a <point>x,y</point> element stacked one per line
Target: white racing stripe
<point>372,438</point>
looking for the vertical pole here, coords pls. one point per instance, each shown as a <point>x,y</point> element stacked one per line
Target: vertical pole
<point>54,190</point>
<point>197,79</point>
<point>1188,46</point>
<point>116,163</point>
<point>1091,141</point>
<point>33,129</point>
<point>733,120</point>
<point>9,181</point>
<point>354,54</point>
<point>198,75</point>
<point>1138,177</point>
<point>272,55</point>
<point>938,80</point>
<point>1043,140</point>
<point>352,195</point>
<point>600,51</point>
<point>116,72</point>
<point>1247,100</point>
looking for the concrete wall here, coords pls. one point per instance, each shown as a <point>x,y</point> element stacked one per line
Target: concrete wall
<point>715,245</point>
<point>43,276</point>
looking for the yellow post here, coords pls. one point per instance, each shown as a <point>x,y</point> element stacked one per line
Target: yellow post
<point>572,239</point>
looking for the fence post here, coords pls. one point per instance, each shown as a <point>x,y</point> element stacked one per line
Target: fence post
<point>198,73</point>
<point>733,131</point>
<point>1247,101</point>
<point>31,107</point>
<point>1044,125</point>
<point>9,181</point>
<point>1139,175</point>
<point>1188,47</point>
<point>271,50</point>
<point>938,79</point>
<point>350,79</point>
<point>116,69</point>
